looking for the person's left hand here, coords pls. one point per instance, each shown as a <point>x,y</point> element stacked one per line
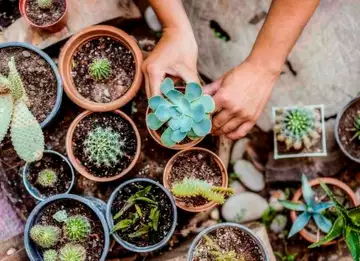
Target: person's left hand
<point>240,96</point>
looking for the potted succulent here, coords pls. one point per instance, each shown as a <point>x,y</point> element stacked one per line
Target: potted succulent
<point>227,241</point>
<point>66,227</point>
<point>299,132</point>
<point>103,146</point>
<point>49,15</point>
<point>141,215</point>
<point>101,68</point>
<point>197,178</point>
<point>178,120</point>
<point>51,175</point>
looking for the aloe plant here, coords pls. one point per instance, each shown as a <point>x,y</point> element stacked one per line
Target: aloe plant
<point>186,115</point>
<point>310,209</point>
<point>356,128</point>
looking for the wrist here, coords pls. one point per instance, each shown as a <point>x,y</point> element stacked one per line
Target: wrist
<point>266,64</point>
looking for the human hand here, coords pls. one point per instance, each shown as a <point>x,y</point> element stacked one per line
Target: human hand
<point>240,96</point>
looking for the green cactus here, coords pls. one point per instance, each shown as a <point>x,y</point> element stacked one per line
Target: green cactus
<point>103,147</point>
<point>50,255</point>
<point>71,252</point>
<point>100,69</point>
<point>44,4</point>
<point>77,228</point>
<point>47,178</point>
<point>26,134</point>
<point>45,236</point>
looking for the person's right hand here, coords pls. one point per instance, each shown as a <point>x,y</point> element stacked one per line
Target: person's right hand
<point>175,55</point>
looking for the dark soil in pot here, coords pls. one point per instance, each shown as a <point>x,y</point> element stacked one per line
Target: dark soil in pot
<point>118,125</point>
<point>44,17</point>
<point>165,217</point>
<point>198,165</point>
<point>122,70</point>
<point>38,78</point>
<point>9,13</point>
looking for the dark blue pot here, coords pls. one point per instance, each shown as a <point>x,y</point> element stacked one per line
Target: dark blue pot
<point>47,58</point>
<point>34,253</point>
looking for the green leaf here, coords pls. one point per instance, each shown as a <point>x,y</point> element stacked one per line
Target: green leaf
<point>202,128</point>
<point>147,200</point>
<point>153,122</point>
<point>138,210</point>
<point>155,218</point>
<point>354,215</point>
<point>178,136</point>
<point>193,91</point>
<point>126,206</point>
<point>320,207</point>
<point>167,85</point>
<point>6,109</point>
<point>163,113</point>
<point>353,243</point>
<point>335,232</point>
<point>143,230</point>
<point>123,224</point>
<point>308,193</point>
<point>143,192</point>
<point>292,205</point>
<point>166,138</point>
<point>338,206</point>
<point>155,101</point>
<point>322,222</point>
<point>299,223</point>
<point>207,101</point>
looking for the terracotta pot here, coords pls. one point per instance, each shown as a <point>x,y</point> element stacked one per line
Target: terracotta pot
<point>65,64</point>
<point>77,164</point>
<point>167,173</point>
<point>52,28</point>
<point>312,238</point>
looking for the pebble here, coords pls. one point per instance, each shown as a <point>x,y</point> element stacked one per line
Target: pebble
<point>26,53</point>
<point>274,199</point>
<point>215,214</point>
<point>152,20</point>
<point>278,224</point>
<point>237,187</point>
<point>239,149</point>
<point>11,251</point>
<point>249,175</point>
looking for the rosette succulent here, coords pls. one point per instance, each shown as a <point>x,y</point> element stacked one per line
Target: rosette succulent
<point>100,69</point>
<point>186,115</point>
<point>45,236</point>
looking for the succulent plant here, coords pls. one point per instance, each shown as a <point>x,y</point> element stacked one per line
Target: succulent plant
<point>185,114</point>
<point>77,228</point>
<point>44,4</point>
<point>310,209</point>
<point>72,252</point>
<point>190,187</point>
<point>298,127</point>
<point>47,178</point>
<point>100,69</point>
<point>103,146</point>
<point>45,236</point>
<point>26,134</point>
<point>220,254</point>
<point>356,127</point>
<point>50,255</point>
<point>60,216</point>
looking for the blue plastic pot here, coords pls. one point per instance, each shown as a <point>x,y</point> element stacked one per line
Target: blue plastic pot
<point>32,190</point>
<point>127,245</point>
<point>33,252</point>
<point>214,227</point>
<point>47,58</point>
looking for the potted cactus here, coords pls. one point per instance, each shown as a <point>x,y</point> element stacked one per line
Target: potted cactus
<point>183,119</point>
<point>141,215</point>
<point>299,132</point>
<point>67,228</point>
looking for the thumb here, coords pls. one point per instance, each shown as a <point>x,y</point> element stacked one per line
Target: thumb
<point>213,87</point>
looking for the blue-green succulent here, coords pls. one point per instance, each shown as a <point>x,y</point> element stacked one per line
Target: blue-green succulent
<point>185,114</point>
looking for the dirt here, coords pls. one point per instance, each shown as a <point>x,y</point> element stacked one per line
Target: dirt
<point>200,165</point>
<point>122,70</point>
<point>38,79</point>
<point>56,164</point>
<point>94,244</point>
<point>117,124</point>
<point>9,13</point>
<point>229,239</point>
<point>45,16</point>
<point>166,214</point>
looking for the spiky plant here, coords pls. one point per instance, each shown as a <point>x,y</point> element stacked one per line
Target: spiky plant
<point>26,134</point>
<point>77,228</point>
<point>47,178</point>
<point>72,252</point>
<point>356,127</point>
<point>186,115</point>
<point>50,255</point>
<point>220,254</point>
<point>44,4</point>
<point>190,187</point>
<point>45,236</point>
<point>100,69</point>
<point>104,147</point>
<point>298,127</point>
<point>310,209</point>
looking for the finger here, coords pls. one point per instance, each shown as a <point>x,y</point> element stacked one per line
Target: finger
<point>213,87</point>
<point>187,74</point>
<point>220,119</point>
<point>241,131</point>
<point>232,125</point>
<point>155,79</point>
<point>147,86</point>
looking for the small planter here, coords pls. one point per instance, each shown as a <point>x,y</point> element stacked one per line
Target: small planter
<point>100,163</point>
<point>51,19</point>
<point>227,239</point>
<point>195,163</point>
<point>157,216</point>
<point>299,131</point>
<point>51,175</point>
<point>101,68</point>
<point>40,77</point>
<point>344,189</point>
<point>93,241</point>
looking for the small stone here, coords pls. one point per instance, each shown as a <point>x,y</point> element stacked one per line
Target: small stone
<point>26,54</point>
<point>215,214</point>
<point>106,93</point>
<point>152,20</point>
<point>249,175</point>
<point>274,199</point>
<point>239,149</point>
<point>11,251</point>
<point>237,187</point>
<point>278,224</point>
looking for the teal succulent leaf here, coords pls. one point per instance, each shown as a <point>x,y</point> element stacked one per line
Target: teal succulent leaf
<point>320,207</point>
<point>203,127</point>
<point>166,138</point>
<point>175,124</point>
<point>353,243</point>
<point>155,101</point>
<point>335,232</point>
<point>153,122</point>
<point>292,205</point>
<point>163,113</point>
<point>178,136</point>
<point>207,101</point>
<point>167,85</point>
<point>299,223</point>
<point>174,97</point>
<point>198,112</point>
<point>193,91</point>
<point>191,135</point>
<point>308,193</point>
<point>186,124</point>
<point>322,222</point>
<point>175,112</point>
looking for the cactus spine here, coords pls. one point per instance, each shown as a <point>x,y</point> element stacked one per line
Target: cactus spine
<point>77,228</point>
<point>71,252</point>
<point>45,236</point>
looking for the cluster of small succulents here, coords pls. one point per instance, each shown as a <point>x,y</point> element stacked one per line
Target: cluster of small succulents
<point>47,178</point>
<point>45,4</point>
<point>100,69</point>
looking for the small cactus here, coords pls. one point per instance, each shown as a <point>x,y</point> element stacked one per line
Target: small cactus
<point>71,252</point>
<point>104,147</point>
<point>45,4</point>
<point>50,255</point>
<point>45,236</point>
<point>77,228</point>
<point>100,69</point>
<point>47,178</point>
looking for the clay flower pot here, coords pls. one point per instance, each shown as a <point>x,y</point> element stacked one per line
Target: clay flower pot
<point>167,174</point>
<point>76,163</point>
<point>312,238</point>
<point>52,28</point>
<point>66,62</point>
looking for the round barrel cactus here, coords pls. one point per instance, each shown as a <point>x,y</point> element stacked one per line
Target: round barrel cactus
<point>72,252</point>
<point>47,178</point>
<point>77,228</point>
<point>100,69</point>
<point>45,236</point>
<point>45,4</point>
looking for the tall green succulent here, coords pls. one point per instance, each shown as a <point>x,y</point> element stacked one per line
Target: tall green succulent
<point>356,128</point>
<point>45,236</point>
<point>26,134</point>
<point>100,69</point>
<point>50,255</point>
<point>186,115</point>
<point>220,254</point>
<point>72,252</point>
<point>77,228</point>
<point>47,178</point>
<point>44,4</point>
